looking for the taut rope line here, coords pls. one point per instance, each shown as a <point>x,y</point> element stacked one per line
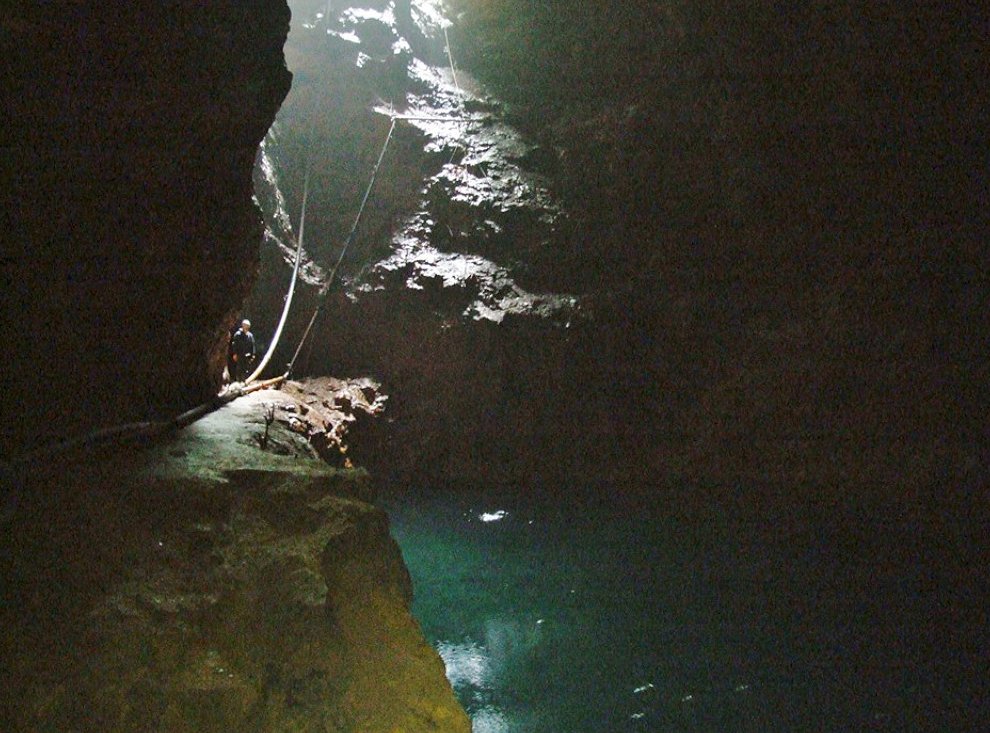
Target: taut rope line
<point>292,289</point>
<point>453,69</point>
<point>347,243</point>
<point>364,202</point>
<point>153,429</point>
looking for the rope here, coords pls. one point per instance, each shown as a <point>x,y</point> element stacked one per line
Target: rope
<point>364,203</point>
<point>460,97</point>
<point>457,86</point>
<point>151,430</point>
<point>154,429</point>
<point>138,432</point>
<point>453,69</point>
<point>292,289</point>
<point>347,243</point>
<point>367,194</point>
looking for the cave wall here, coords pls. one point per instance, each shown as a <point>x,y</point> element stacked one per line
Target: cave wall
<point>781,212</point>
<point>130,235</point>
<point>770,224</point>
<point>203,583</point>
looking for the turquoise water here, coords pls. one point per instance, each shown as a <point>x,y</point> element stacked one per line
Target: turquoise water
<point>574,613</point>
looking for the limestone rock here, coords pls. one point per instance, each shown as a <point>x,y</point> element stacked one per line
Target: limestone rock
<point>207,585</point>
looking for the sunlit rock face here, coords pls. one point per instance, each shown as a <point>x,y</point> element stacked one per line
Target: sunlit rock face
<point>455,277</point>
<point>129,137</point>
<point>225,580</point>
<point>689,239</point>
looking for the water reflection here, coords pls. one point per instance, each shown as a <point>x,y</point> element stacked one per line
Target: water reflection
<point>483,671</point>
<point>468,664</point>
<point>489,720</point>
<point>667,627</point>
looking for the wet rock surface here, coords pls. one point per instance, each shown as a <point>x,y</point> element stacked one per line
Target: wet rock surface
<point>228,579</point>
<point>453,203</point>
<point>208,584</point>
<point>771,230</point>
<point>337,416</point>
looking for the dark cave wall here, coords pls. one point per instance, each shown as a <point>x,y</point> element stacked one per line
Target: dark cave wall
<point>781,202</point>
<point>769,225</point>
<point>130,235</point>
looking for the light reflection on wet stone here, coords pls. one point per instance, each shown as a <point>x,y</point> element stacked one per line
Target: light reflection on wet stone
<point>482,187</point>
<point>415,263</point>
<point>482,209</point>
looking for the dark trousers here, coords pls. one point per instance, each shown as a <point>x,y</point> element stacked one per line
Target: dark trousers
<point>242,367</point>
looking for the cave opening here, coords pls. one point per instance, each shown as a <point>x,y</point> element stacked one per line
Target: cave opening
<point>634,353</point>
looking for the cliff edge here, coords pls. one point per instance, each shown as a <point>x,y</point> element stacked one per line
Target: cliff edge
<point>205,584</point>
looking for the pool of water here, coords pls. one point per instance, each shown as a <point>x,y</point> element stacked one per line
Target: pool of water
<point>572,611</point>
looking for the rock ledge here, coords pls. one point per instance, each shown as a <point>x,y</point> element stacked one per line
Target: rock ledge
<point>207,585</point>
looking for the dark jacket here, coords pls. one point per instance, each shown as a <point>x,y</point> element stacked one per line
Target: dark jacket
<point>242,343</point>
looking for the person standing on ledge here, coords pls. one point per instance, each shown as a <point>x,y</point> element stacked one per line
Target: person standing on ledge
<point>242,351</point>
